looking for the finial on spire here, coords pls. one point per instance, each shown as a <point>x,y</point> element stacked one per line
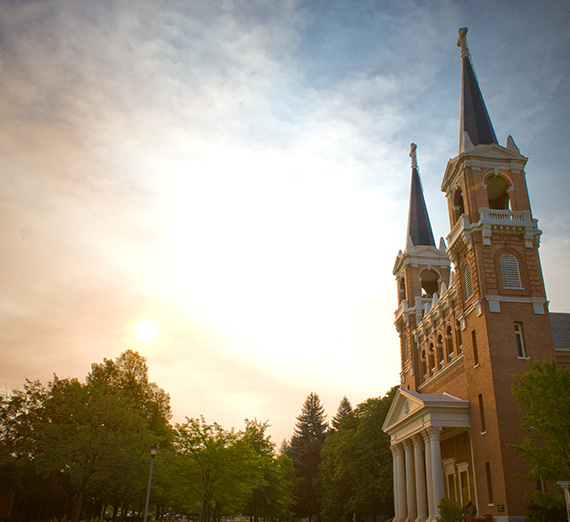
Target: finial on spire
<point>413,155</point>
<point>462,42</point>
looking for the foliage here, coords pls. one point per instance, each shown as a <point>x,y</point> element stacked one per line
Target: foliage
<point>449,511</point>
<point>73,440</point>
<point>543,393</point>
<point>546,507</point>
<point>272,497</point>
<point>226,472</point>
<point>356,469</point>
<point>344,408</point>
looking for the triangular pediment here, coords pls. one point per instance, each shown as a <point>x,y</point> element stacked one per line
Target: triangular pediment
<point>411,412</point>
<point>403,405</point>
<point>480,155</point>
<point>494,151</point>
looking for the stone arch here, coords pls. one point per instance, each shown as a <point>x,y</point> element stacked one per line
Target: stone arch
<point>430,279</point>
<point>498,188</point>
<point>457,203</point>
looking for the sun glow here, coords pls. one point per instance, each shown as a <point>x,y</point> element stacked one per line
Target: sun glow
<point>146,331</point>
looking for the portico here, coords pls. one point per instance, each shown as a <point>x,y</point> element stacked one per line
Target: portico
<point>416,424</point>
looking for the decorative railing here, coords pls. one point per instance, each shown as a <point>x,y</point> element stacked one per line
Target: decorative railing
<point>491,216</point>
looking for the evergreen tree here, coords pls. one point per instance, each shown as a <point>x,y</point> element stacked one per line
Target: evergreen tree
<point>344,408</point>
<point>311,424</point>
<point>306,444</point>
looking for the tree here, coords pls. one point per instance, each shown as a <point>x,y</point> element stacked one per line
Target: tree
<point>272,497</point>
<point>311,424</point>
<point>356,464</point>
<point>80,440</point>
<point>543,394</point>
<point>216,468</point>
<point>128,374</point>
<point>306,444</point>
<point>344,408</point>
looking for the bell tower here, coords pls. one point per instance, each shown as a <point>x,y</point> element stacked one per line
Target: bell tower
<point>501,305</point>
<point>422,274</point>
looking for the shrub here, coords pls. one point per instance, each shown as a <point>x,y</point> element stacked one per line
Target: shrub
<point>449,511</point>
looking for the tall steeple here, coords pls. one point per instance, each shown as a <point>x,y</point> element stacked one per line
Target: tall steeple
<point>419,227</point>
<point>475,125</point>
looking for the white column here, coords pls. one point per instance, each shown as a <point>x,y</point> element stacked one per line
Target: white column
<point>429,476</point>
<point>399,484</point>
<point>410,481</point>
<point>420,479</point>
<point>437,472</point>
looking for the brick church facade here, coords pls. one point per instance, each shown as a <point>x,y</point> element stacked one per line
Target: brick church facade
<point>465,332</point>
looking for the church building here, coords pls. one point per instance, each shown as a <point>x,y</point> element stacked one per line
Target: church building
<point>471,312</point>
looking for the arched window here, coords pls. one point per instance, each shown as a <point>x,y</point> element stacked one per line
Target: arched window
<point>459,339</point>
<point>439,348</point>
<point>510,271</point>
<point>431,356</point>
<point>402,289</point>
<point>497,193</point>
<point>457,204</point>
<point>429,280</point>
<point>423,363</point>
<point>468,282</point>
<point>449,341</point>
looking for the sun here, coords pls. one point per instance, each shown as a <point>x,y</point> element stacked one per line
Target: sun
<point>146,331</point>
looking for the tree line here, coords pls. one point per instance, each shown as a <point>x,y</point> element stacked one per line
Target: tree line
<point>80,450</point>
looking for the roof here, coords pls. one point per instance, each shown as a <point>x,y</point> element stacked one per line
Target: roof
<point>560,328</point>
<point>419,226</point>
<point>475,120</point>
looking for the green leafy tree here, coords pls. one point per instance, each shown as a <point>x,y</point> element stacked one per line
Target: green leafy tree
<point>272,497</point>
<point>344,408</point>
<point>356,469</point>
<point>543,394</point>
<point>216,468</point>
<point>82,439</point>
<point>128,375</point>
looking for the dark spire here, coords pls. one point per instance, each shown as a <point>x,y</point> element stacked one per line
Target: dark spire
<point>475,127</point>
<point>419,227</point>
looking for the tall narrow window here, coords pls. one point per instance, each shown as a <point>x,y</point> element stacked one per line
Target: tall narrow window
<point>459,339</point>
<point>468,282</point>
<point>519,338</point>
<point>510,271</point>
<point>423,363</point>
<point>482,414</point>
<point>475,351</point>
<point>458,206</point>
<point>465,495</point>
<point>449,342</point>
<point>405,350</point>
<point>489,483</point>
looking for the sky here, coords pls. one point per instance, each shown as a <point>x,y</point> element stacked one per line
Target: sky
<point>237,173</point>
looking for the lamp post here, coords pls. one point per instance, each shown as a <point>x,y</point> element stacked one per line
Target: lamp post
<point>153,453</point>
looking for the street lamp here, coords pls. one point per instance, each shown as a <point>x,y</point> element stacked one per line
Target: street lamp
<point>153,453</point>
